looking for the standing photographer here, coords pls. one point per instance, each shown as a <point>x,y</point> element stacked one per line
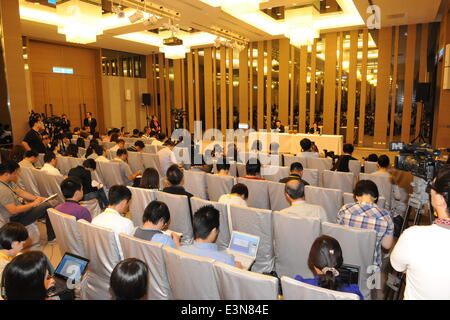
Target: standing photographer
<point>422,251</point>
<point>33,138</point>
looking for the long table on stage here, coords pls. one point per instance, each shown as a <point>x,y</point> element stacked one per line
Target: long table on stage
<point>290,143</point>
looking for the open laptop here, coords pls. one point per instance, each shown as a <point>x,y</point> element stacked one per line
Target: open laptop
<point>69,270</point>
<point>243,247</point>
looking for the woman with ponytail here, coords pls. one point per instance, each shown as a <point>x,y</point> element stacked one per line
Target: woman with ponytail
<point>325,258</point>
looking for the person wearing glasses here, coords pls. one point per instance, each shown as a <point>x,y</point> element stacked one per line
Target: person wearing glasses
<point>422,251</point>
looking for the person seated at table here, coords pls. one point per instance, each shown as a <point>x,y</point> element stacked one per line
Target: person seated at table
<point>253,168</point>
<point>72,190</point>
<point>29,160</point>
<point>138,146</point>
<point>294,192</point>
<point>120,144</point>
<point>175,178</point>
<point>206,223</point>
<point>50,162</point>
<point>13,236</point>
<point>150,179</point>
<point>129,280</point>
<point>101,154</point>
<point>223,167</point>
<point>278,127</point>
<point>296,173</point>
<point>383,167</point>
<point>128,177</point>
<point>238,195</point>
<point>341,164</point>
<point>325,258</point>
<point>307,150</point>
<point>72,151</point>
<point>315,128</point>
<point>156,219</point>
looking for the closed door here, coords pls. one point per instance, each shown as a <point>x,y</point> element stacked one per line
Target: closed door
<point>89,97</point>
<point>55,93</point>
<point>40,103</point>
<point>74,101</point>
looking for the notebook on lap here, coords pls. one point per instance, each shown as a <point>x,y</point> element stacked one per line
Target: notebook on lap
<point>243,247</point>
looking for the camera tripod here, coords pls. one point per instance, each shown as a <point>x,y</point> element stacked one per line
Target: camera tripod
<point>419,202</point>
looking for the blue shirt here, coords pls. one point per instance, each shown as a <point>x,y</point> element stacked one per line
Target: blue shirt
<point>352,288</point>
<point>158,237</point>
<point>209,250</point>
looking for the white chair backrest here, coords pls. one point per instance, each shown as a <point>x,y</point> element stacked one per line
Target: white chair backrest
<point>355,167</point>
<point>152,161</point>
<point>258,193</point>
<point>358,248</point>
<point>40,160</point>
<point>233,167</point>
<point>370,167</point>
<point>238,284</point>
<point>109,173</point>
<point>81,152</point>
<point>319,163</point>
<point>66,231</point>
<point>338,180</point>
<point>63,165</point>
<point>195,183</point>
<point>152,254</point>
<point>384,186</point>
<point>257,222</point>
<point>293,237</point>
<point>140,198</point>
<point>219,185</point>
<point>224,237</point>
<point>27,180</point>
<point>241,170</point>
<point>149,149</point>
<point>93,206</point>
<point>180,215</point>
<point>297,290</point>
<point>75,162</point>
<point>290,159</point>
<point>54,185</point>
<point>311,176</point>
<point>276,196</point>
<point>101,248</point>
<point>274,173</point>
<point>190,277</point>
<point>329,199</point>
<point>135,161</point>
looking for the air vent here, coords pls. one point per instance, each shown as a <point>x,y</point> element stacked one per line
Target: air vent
<point>396,16</point>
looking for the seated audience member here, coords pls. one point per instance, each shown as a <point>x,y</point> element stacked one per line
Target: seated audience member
<point>365,214</point>
<point>156,219</point>
<point>138,147</point>
<point>128,176</point>
<point>53,148</point>
<point>13,236</point>
<point>76,131</point>
<point>371,158</point>
<point>72,191</point>
<point>90,151</point>
<point>167,156</point>
<point>383,167</point>
<point>108,136</point>
<point>296,173</point>
<point>50,162</point>
<point>72,151</point>
<point>129,280</point>
<point>206,222</point>
<point>159,141</point>
<point>135,134</point>
<point>150,179</point>
<point>18,205</point>
<point>30,159</point>
<point>424,248</point>
<point>307,150</point>
<point>238,195</point>
<point>17,153</point>
<point>200,166</point>
<point>120,144</point>
<point>115,136</point>
<point>223,167</point>
<point>101,154</point>
<point>341,164</point>
<point>325,258</point>
<point>294,192</point>
<point>85,132</point>
<point>26,277</point>
<point>146,133</point>
<point>63,143</point>
<point>253,168</point>
<point>175,178</point>
<point>81,143</point>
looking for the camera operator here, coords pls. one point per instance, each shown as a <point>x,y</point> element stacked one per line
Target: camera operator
<point>33,138</point>
<point>422,251</point>
<point>341,164</point>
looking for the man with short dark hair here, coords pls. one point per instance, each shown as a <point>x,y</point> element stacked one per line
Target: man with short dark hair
<point>278,127</point>
<point>296,173</point>
<point>294,192</point>
<point>159,141</point>
<point>341,164</point>
<point>253,169</point>
<point>127,175</point>
<point>237,196</point>
<point>90,122</point>
<point>135,133</point>
<point>50,162</point>
<point>29,160</point>
<point>72,190</point>
<point>223,166</point>
<point>33,138</point>
<point>156,219</point>
<point>120,144</point>
<point>206,224</point>
<point>138,147</point>
<point>383,167</point>
<point>307,151</point>
<point>18,205</point>
<point>175,178</point>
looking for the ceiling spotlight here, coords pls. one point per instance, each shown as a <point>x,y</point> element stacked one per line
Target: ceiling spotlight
<point>150,21</point>
<point>138,15</point>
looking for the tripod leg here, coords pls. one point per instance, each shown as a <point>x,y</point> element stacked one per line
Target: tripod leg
<point>405,221</point>
<point>417,217</point>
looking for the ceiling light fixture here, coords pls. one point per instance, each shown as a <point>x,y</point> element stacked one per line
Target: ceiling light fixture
<point>300,22</point>
<point>173,47</point>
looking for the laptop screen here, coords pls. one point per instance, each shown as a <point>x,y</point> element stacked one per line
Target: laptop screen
<point>71,266</point>
<point>244,243</point>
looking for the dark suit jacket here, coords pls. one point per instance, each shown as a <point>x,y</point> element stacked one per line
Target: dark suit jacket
<point>93,124</point>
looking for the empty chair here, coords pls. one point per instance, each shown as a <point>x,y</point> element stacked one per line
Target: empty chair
<point>311,176</point>
<point>27,180</point>
<point>75,162</point>
<point>277,199</point>
<point>109,173</point>
<point>135,161</point>
<point>349,198</point>
<point>218,186</point>
<point>293,237</point>
<point>102,250</point>
<point>54,185</point>
<point>290,159</point>
<point>258,193</point>
<point>238,284</point>
<point>274,173</point>
<point>180,215</point>
<point>370,167</point>
<point>320,164</point>
<point>66,231</point>
<point>358,248</point>
<point>329,199</point>
<point>355,168</point>
<point>140,198</point>
<point>224,237</point>
<point>191,277</point>
<point>152,161</point>
<point>338,180</point>
<point>259,223</point>
<point>241,171</point>
<point>93,206</point>
<point>152,254</point>
<point>63,165</point>
<point>297,290</point>
<point>195,183</point>
<point>384,186</point>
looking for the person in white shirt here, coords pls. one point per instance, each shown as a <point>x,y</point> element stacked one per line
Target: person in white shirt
<point>112,217</point>
<point>383,167</point>
<point>30,159</point>
<point>167,156</point>
<point>125,171</point>
<point>100,154</point>
<point>120,144</point>
<point>50,162</point>
<point>295,195</point>
<point>422,251</point>
<point>159,141</point>
<point>306,149</point>
<point>238,195</point>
